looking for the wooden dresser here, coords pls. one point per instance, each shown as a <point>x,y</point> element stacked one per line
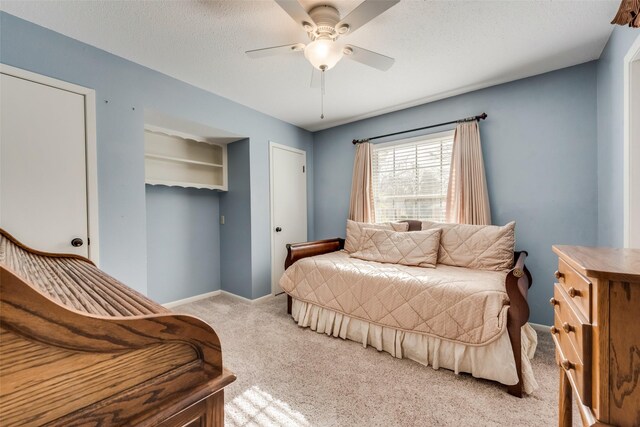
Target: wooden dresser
<point>596,331</point>
<point>79,348</point>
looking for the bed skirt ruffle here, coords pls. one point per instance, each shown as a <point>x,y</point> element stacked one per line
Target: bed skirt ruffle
<point>493,361</point>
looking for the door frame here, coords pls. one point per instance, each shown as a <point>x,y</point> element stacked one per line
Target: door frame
<point>629,187</point>
<point>91,157</point>
<point>273,145</point>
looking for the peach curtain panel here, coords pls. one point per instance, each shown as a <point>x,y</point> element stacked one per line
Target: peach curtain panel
<point>467,195</point>
<point>361,206</point>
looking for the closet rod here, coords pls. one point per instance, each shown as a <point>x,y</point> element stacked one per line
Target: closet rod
<point>468,119</point>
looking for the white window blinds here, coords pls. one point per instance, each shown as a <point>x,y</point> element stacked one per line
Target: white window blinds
<point>410,178</point>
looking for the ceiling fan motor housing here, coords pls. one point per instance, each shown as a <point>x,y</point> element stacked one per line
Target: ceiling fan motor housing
<point>326,18</point>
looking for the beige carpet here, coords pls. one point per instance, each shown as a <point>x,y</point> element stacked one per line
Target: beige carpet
<point>290,376</point>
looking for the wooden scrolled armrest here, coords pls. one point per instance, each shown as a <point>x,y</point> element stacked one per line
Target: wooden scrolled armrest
<point>77,347</point>
<point>42,253</point>
<point>164,362</point>
<point>519,267</point>
<point>26,311</point>
<point>517,284</point>
<point>296,251</point>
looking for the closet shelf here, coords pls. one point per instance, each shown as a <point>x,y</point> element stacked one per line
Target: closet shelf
<point>174,160</point>
<point>181,160</point>
<point>153,181</point>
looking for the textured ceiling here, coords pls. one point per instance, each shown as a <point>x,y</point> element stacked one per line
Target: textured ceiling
<point>441,48</point>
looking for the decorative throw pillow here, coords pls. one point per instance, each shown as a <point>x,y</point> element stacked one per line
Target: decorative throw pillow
<point>408,248</point>
<point>354,232</point>
<point>483,247</point>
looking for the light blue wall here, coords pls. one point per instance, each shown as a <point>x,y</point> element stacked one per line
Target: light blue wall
<point>129,88</point>
<point>611,136</point>
<point>183,242</point>
<point>539,146</point>
<point>235,205</point>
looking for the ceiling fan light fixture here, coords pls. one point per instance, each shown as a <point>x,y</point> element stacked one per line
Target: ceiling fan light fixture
<point>323,54</point>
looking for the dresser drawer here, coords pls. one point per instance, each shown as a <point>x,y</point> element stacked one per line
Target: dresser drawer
<point>578,373</point>
<point>572,335</point>
<point>577,286</point>
<point>569,320</point>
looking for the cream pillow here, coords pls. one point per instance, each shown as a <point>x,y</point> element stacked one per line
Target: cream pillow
<point>483,247</point>
<point>354,232</point>
<point>408,248</point>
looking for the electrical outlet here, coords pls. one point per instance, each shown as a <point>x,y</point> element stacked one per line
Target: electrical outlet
<point>221,219</point>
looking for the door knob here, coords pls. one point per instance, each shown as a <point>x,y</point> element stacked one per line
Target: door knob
<point>77,242</point>
<point>278,229</point>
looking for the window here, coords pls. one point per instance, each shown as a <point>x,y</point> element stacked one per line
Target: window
<point>410,177</point>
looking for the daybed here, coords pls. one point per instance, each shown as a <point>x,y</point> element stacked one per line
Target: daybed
<point>463,319</point>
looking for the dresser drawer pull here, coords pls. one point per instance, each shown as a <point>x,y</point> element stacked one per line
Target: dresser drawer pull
<point>567,327</point>
<point>566,365</point>
<point>553,330</point>
<point>573,292</point>
<point>558,275</point>
<point>553,302</point>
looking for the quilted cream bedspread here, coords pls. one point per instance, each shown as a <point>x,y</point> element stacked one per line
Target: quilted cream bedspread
<point>453,303</point>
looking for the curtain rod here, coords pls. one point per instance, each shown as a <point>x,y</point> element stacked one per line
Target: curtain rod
<point>468,119</point>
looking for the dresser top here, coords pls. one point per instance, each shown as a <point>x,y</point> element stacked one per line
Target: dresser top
<point>610,263</point>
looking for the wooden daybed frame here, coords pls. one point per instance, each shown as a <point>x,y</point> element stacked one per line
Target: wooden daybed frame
<point>517,284</point>
<point>77,347</point>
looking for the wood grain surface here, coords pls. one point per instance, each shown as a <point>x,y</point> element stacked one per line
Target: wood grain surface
<point>624,354</point>
<point>610,263</point>
<point>77,347</point>
<point>565,415</point>
<point>74,281</point>
<point>614,348</point>
<point>45,379</point>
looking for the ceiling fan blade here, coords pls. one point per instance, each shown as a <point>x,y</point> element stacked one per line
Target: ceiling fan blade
<point>365,12</point>
<point>315,78</point>
<point>295,10</point>
<point>367,57</point>
<point>275,50</point>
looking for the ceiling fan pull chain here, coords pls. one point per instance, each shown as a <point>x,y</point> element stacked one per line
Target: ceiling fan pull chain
<point>322,95</point>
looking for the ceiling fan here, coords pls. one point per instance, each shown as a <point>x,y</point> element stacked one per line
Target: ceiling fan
<point>324,27</point>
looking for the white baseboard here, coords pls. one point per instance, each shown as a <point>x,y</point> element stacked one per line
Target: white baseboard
<point>191,299</point>
<point>212,294</point>
<point>252,301</point>
<point>540,328</point>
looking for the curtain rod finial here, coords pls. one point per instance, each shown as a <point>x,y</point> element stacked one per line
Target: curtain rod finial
<point>483,116</point>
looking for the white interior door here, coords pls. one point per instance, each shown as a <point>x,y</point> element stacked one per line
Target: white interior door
<point>288,205</point>
<point>631,169</point>
<point>43,175</point>
<point>634,156</point>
